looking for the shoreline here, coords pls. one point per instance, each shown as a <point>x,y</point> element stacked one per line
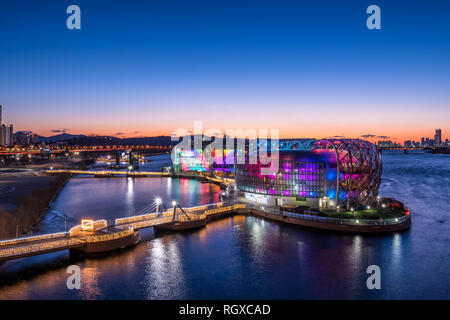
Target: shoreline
<point>33,195</point>
<point>55,194</point>
<point>30,206</point>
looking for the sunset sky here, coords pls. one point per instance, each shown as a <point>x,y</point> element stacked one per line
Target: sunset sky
<point>310,69</point>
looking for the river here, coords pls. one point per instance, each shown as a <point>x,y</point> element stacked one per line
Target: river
<point>244,257</point>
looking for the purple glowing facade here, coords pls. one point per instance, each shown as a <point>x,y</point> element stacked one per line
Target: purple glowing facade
<point>360,168</point>
<point>338,171</point>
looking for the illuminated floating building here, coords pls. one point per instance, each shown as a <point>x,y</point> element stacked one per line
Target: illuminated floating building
<point>309,172</point>
<point>197,160</point>
<point>314,173</point>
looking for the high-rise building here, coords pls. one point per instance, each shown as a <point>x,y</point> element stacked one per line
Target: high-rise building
<point>6,132</point>
<point>438,138</point>
<point>6,135</point>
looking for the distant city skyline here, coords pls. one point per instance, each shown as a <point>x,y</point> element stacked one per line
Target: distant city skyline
<point>146,69</point>
<point>370,137</point>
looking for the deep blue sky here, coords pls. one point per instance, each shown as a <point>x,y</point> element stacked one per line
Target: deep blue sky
<point>309,68</point>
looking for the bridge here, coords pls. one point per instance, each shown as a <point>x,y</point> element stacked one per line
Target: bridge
<point>404,148</point>
<point>81,149</point>
<point>89,232</point>
<point>112,173</point>
<point>109,173</point>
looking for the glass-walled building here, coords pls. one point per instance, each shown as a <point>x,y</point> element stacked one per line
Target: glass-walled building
<point>301,178</point>
<point>325,173</point>
<point>315,173</point>
<point>195,160</point>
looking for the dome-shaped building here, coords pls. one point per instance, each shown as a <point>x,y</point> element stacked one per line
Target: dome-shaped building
<point>316,173</point>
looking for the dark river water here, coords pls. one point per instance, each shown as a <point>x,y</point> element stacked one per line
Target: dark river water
<point>246,257</point>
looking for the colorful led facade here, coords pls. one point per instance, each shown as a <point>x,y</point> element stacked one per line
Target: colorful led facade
<point>194,160</point>
<point>310,172</point>
<point>190,160</point>
<point>360,168</point>
<point>300,174</point>
<point>331,172</point>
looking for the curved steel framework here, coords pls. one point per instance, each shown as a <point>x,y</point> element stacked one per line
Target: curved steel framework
<point>359,169</point>
<point>302,144</point>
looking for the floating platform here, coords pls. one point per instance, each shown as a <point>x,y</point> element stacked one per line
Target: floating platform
<point>109,242</point>
<point>350,226</point>
<point>181,225</point>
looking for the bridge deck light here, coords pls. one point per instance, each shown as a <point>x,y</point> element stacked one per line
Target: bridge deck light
<point>174,203</point>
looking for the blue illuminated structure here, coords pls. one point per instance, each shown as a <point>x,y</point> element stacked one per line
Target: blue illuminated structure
<point>318,173</point>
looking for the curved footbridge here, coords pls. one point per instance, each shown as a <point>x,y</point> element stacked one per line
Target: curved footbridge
<point>97,236</point>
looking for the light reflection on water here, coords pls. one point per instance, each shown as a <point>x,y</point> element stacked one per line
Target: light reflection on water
<point>245,257</point>
<point>164,270</point>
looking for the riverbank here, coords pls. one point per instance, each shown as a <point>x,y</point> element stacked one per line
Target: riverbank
<point>26,194</point>
<point>29,199</point>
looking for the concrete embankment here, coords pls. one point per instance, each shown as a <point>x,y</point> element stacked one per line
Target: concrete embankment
<point>28,199</point>
<point>26,193</point>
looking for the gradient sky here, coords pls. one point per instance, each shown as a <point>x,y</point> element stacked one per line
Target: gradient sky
<point>309,68</point>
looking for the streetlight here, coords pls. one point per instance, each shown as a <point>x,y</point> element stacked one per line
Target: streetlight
<point>174,203</point>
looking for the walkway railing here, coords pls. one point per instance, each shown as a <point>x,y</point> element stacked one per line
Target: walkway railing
<point>353,222</point>
<point>168,215</point>
<point>25,240</point>
<point>109,172</point>
<point>40,247</point>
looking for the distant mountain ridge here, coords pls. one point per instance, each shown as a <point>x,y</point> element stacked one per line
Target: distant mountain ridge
<point>59,137</point>
<point>80,139</point>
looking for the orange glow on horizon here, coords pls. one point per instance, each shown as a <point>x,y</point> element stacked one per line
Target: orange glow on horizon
<point>394,134</point>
